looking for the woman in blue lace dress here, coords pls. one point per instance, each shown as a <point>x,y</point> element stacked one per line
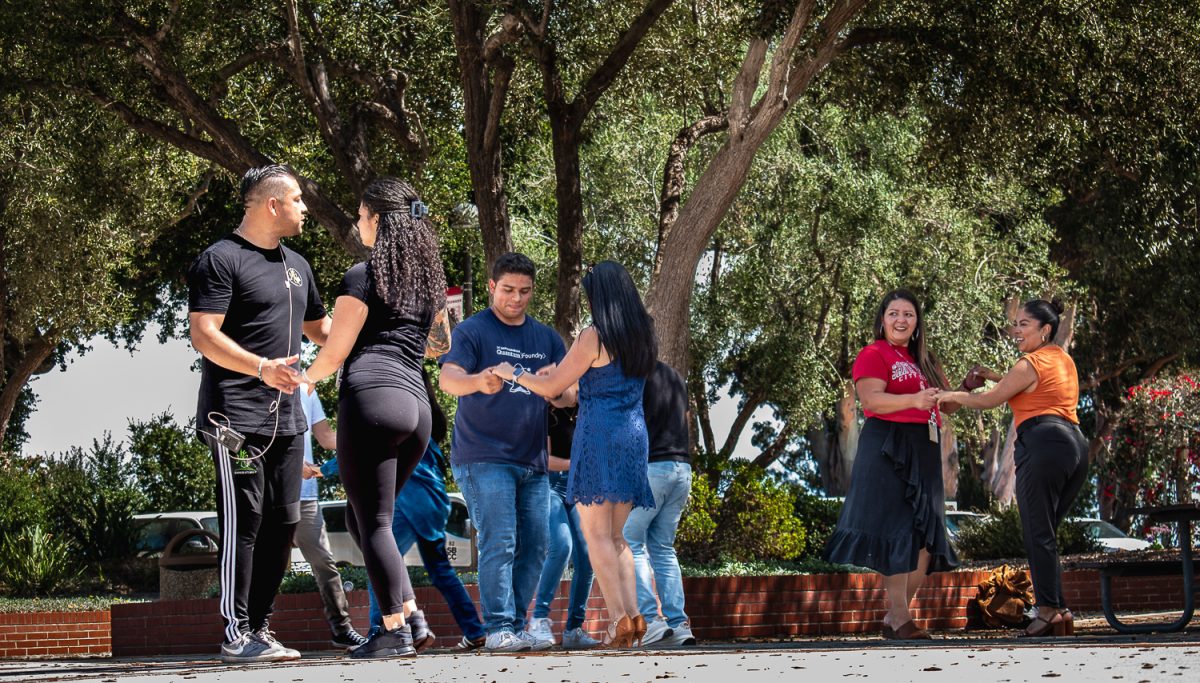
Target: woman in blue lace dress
<point>610,360</point>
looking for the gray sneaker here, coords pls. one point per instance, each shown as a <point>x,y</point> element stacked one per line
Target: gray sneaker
<point>536,642</point>
<point>247,648</point>
<point>576,639</point>
<point>681,636</point>
<point>505,641</point>
<point>267,638</point>
<point>656,630</point>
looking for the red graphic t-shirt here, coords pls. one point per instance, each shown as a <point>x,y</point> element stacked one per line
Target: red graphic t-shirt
<point>894,365</point>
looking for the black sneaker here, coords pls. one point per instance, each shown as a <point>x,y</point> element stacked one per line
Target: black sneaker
<point>421,635</point>
<point>397,643</point>
<point>348,640</point>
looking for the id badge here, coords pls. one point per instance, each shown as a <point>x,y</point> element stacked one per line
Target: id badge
<point>934,432</point>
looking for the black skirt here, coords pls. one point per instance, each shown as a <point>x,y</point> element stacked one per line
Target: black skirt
<point>896,504</point>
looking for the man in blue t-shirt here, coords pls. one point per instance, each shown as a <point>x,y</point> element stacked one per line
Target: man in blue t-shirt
<point>498,450</point>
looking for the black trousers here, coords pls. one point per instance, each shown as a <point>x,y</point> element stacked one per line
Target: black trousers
<point>382,434</point>
<point>258,508</point>
<point>1051,456</point>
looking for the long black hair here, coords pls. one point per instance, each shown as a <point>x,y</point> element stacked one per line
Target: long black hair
<point>405,264</point>
<point>926,361</point>
<point>624,326</point>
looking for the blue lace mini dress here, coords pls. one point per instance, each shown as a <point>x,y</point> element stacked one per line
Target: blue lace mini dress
<point>611,446</point>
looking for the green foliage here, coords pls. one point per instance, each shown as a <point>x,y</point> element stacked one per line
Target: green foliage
<point>749,517</point>
<point>80,603</point>
<point>820,516</point>
<point>173,468</point>
<point>20,496</point>
<point>91,498</point>
<point>998,537</point>
<point>34,561</point>
<point>729,567</point>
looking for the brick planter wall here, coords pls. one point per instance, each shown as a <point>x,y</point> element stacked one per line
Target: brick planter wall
<point>720,608</point>
<point>41,634</point>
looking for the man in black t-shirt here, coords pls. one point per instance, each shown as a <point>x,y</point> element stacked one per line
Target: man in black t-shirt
<point>250,299</point>
<point>651,533</point>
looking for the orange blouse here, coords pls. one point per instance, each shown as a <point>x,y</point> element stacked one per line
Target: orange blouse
<point>1057,391</point>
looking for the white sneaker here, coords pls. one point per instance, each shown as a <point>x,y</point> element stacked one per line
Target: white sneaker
<point>505,641</point>
<point>265,636</point>
<point>247,648</point>
<point>681,635</point>
<point>656,630</point>
<point>541,629</point>
<point>535,641</point>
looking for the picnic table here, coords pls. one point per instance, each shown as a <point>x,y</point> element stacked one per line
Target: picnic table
<point>1180,515</point>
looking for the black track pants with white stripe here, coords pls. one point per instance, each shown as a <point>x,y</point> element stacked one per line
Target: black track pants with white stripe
<point>258,508</point>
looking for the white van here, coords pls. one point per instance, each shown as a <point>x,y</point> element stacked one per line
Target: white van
<point>460,536</point>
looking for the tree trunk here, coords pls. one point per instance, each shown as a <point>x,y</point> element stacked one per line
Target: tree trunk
<point>835,445</point>
<point>568,198</point>
<point>484,96</point>
<point>24,365</point>
<point>949,460</point>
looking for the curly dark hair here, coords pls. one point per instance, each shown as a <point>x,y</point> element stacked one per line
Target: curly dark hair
<point>405,264</point>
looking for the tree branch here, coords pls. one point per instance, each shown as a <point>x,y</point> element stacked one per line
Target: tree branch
<point>745,412</point>
<point>744,86</point>
<point>510,31</point>
<point>827,48</point>
<point>172,13</point>
<point>768,457</point>
<point>275,54</point>
<point>781,62</point>
<point>673,175</point>
<point>618,56</point>
<point>193,198</point>
<point>501,77</point>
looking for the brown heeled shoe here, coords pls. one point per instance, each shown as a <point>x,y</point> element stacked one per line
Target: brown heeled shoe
<point>1055,626</point>
<point>620,634</point>
<point>639,629</point>
<point>910,631</point>
<point>1068,621</point>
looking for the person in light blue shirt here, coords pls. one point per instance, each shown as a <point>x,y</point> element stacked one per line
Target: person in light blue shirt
<point>310,535</point>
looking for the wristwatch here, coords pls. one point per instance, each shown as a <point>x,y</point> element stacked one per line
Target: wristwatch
<point>517,372</point>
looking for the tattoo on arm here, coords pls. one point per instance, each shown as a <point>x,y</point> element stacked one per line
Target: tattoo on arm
<point>438,342</point>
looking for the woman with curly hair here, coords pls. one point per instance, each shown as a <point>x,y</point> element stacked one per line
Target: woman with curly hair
<point>390,313</point>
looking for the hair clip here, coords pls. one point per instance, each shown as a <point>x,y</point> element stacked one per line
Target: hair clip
<point>418,209</point>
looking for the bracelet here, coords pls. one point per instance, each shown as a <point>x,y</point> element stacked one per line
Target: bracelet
<point>261,360</point>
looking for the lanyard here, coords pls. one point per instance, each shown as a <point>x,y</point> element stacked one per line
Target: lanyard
<point>933,412</point>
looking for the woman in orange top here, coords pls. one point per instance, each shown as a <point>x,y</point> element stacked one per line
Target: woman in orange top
<point>1051,453</point>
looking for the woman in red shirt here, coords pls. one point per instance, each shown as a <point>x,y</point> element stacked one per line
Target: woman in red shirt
<point>1051,453</point>
<point>893,520</point>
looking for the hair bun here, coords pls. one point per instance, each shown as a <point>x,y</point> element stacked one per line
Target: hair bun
<point>1057,304</point>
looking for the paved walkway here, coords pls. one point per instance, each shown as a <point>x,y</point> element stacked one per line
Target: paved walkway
<point>955,657</point>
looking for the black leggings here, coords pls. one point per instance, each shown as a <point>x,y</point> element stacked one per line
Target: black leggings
<point>382,433</point>
<point>1052,462</point>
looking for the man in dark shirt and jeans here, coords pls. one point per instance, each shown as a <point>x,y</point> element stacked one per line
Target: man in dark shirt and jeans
<point>651,533</point>
<point>250,299</point>
<point>498,452</point>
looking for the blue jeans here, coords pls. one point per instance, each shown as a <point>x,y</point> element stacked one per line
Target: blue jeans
<point>566,543</point>
<point>441,573</point>
<point>651,536</point>
<point>509,505</point>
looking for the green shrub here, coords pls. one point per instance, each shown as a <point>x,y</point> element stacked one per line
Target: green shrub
<point>998,536</point>
<point>33,562</point>
<point>820,516</point>
<point>21,504</point>
<point>172,467</point>
<point>91,498</point>
<point>750,517</point>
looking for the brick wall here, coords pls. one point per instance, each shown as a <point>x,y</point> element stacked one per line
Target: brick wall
<point>43,634</point>
<point>719,608</point>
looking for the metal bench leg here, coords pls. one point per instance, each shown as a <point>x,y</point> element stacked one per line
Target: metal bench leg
<point>1185,534</point>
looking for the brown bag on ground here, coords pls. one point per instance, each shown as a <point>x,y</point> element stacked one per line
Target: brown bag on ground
<point>1004,597</point>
